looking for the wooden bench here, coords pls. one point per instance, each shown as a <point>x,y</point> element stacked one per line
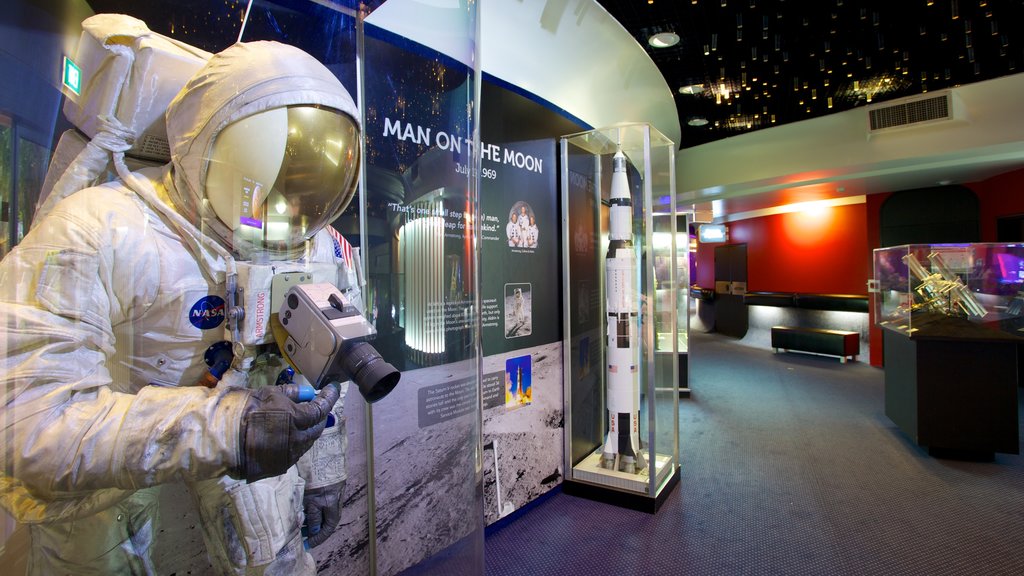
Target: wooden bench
<point>816,341</point>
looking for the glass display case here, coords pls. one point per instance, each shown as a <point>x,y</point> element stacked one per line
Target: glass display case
<point>626,286</point>
<point>953,315</point>
<point>410,68</point>
<point>673,319</point>
<point>950,289</point>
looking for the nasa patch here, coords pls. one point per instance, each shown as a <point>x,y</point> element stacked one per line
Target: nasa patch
<point>207,313</point>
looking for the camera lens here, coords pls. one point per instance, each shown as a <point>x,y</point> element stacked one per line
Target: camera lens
<point>374,377</point>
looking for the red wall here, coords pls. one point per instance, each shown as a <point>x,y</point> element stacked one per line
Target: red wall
<point>822,252</point>
<point>874,209</point>
<point>830,253</point>
<point>999,196</point>
<point>705,262</point>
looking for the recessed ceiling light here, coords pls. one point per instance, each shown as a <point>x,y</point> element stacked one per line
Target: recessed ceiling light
<point>691,89</point>
<point>697,121</point>
<point>663,40</point>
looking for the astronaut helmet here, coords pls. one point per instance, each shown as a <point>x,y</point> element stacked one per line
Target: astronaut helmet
<point>265,149</point>
<point>277,177</point>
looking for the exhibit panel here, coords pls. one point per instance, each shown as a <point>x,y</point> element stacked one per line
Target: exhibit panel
<point>622,338</point>
<point>953,316</point>
<point>521,295</point>
<point>401,272</point>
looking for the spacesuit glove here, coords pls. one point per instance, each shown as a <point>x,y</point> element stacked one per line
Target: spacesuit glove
<point>276,429</point>
<point>322,508</point>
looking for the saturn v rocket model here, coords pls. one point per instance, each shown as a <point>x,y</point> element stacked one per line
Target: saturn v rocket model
<point>622,444</point>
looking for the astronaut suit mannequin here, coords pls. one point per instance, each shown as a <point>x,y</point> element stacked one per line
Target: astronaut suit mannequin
<point>110,307</point>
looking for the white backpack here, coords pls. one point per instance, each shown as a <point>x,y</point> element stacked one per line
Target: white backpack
<point>129,76</point>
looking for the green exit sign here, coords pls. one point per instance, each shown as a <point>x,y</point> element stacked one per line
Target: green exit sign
<point>72,76</point>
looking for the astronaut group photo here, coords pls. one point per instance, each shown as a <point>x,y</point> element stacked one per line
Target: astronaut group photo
<point>521,229</point>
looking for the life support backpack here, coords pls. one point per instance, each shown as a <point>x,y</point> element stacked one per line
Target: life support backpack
<point>129,76</point>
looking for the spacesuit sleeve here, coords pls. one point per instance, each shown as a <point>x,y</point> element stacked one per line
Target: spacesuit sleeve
<point>68,429</point>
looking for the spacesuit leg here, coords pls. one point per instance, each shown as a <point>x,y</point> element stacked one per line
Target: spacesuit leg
<point>117,540</point>
<point>254,528</point>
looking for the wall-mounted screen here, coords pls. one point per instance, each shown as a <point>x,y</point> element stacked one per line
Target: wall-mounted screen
<point>713,233</point>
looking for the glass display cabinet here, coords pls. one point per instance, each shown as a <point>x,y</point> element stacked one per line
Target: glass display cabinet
<point>936,289</point>
<point>953,322</point>
<point>405,63</point>
<point>624,317</point>
<point>672,292</point>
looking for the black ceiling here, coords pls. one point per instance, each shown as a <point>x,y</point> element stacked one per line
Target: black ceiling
<point>765,63</point>
<point>761,63</point>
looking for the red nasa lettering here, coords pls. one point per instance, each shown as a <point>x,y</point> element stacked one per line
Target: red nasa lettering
<point>261,313</point>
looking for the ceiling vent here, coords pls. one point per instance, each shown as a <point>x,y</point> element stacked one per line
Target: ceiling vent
<point>911,112</point>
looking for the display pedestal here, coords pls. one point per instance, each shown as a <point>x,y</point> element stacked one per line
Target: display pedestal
<point>730,315</point>
<point>630,500</point>
<point>684,375</point>
<point>664,360</point>
<point>957,397</point>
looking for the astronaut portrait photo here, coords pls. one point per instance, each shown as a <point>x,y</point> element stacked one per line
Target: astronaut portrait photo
<point>521,229</point>
<point>518,304</point>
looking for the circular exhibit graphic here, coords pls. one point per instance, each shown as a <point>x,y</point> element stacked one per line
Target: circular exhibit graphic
<point>521,229</point>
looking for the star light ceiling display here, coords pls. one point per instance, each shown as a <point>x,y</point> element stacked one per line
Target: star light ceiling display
<point>742,65</point>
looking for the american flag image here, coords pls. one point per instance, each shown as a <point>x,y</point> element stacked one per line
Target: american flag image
<point>342,249</point>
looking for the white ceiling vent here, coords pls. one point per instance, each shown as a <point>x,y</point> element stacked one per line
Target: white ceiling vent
<point>911,112</point>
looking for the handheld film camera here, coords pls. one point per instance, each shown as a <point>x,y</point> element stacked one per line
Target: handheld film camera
<point>327,341</point>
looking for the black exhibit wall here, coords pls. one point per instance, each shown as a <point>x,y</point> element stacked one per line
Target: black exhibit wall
<point>945,214</point>
<point>730,311</point>
<point>419,251</point>
<point>521,294</point>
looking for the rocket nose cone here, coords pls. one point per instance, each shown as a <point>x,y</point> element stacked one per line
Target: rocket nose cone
<point>619,162</point>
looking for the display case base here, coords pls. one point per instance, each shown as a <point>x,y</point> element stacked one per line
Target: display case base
<point>590,470</point>
<point>638,502</point>
<point>663,360</point>
<point>684,375</point>
<point>965,455</point>
<point>590,480</point>
<point>957,397</point>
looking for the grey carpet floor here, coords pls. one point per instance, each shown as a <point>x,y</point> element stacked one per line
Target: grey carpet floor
<point>789,467</point>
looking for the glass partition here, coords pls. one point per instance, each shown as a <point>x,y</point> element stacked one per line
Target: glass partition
<point>412,500</point>
<point>420,238</point>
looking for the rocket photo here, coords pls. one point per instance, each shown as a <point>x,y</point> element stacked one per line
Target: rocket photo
<point>622,444</point>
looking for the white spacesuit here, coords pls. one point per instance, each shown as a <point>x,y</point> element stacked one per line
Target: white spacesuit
<point>111,307</point>
<point>512,230</point>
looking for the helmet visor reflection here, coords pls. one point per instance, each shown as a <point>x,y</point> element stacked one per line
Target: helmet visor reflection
<point>314,184</point>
